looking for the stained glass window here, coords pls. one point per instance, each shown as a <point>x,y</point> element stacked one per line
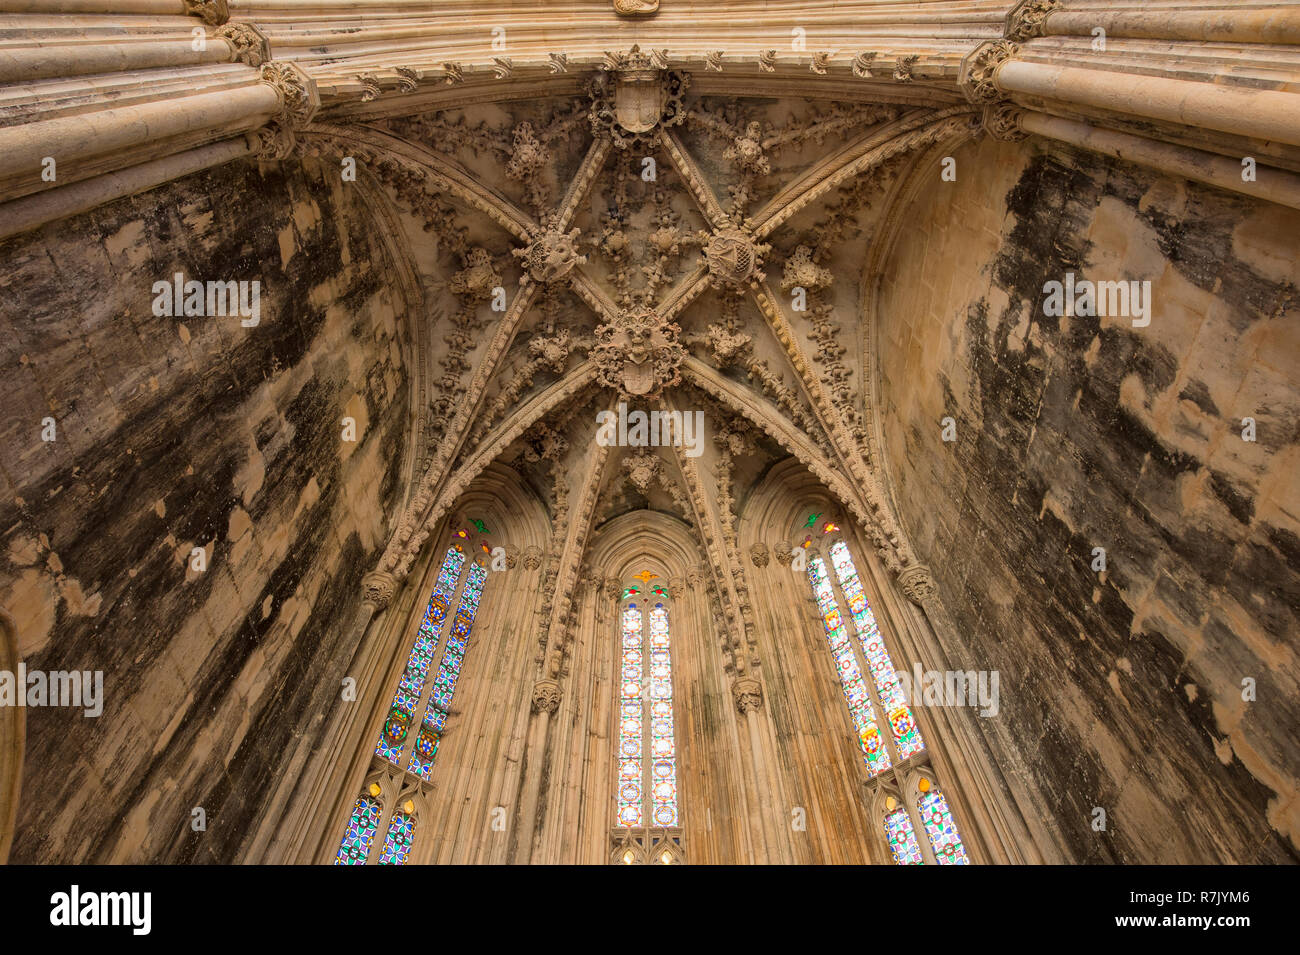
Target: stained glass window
<point>444,683</point>
<point>635,696</point>
<point>902,838</point>
<point>397,844</point>
<point>411,686</point>
<point>663,749</point>
<point>631,718</point>
<point>855,690</point>
<point>907,738</point>
<point>941,830</point>
<point>361,832</point>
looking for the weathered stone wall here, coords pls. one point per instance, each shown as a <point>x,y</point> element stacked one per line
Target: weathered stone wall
<point>175,433</point>
<point>1120,690</point>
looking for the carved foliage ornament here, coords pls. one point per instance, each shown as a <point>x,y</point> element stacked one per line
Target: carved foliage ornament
<point>250,44</point>
<point>748,694</point>
<point>638,353</point>
<point>635,8</point>
<point>1028,18</point>
<point>546,696</point>
<point>298,94</point>
<point>212,12</point>
<point>917,584</point>
<point>980,67</point>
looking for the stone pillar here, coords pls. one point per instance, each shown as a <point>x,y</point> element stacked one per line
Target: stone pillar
<point>545,701</point>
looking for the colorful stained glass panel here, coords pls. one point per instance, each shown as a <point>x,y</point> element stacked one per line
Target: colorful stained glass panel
<point>941,830</point>
<point>361,832</point>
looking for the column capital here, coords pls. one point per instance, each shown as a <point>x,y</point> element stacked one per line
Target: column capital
<point>979,70</point>
<point>1002,121</point>
<point>250,44</point>
<point>299,97</point>
<point>1027,19</point>
<point>378,588</point>
<point>546,696</point>
<point>747,693</point>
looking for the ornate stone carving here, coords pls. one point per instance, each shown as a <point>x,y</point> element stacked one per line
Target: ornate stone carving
<point>478,278</point>
<point>546,696</point>
<point>454,73</point>
<point>734,258</point>
<point>642,468</point>
<point>378,588</point>
<point>759,554</point>
<point>408,79</point>
<point>637,353</point>
<point>784,553</point>
<point>713,60</point>
<point>861,64</point>
<point>746,151</point>
<point>767,61</point>
<point>820,62</point>
<point>903,69</point>
<point>370,87</point>
<point>550,257</point>
<point>299,97</point>
<point>1002,121</point>
<point>558,62</point>
<point>532,557</point>
<point>747,694</point>
<point>635,8</point>
<point>980,66</point>
<point>250,44</point>
<point>917,584</point>
<point>634,94</point>
<point>613,588</point>
<point>502,67</point>
<point>1027,19</point>
<point>212,12</point>
<point>273,141</point>
<point>802,272</point>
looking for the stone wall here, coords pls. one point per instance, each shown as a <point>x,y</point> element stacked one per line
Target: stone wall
<point>177,433</point>
<point>1122,689</point>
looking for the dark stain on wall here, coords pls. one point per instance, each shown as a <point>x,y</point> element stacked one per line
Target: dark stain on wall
<point>213,680</point>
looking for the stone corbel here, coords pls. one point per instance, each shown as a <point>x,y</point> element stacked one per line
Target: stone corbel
<point>979,70</point>
<point>299,97</point>
<point>917,584</point>
<point>250,44</point>
<point>212,12</point>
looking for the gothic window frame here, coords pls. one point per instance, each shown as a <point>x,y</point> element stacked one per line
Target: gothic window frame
<point>402,783</point>
<point>648,843</point>
<point>898,780</point>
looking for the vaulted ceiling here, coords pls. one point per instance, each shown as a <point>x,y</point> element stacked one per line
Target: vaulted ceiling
<point>646,244</point>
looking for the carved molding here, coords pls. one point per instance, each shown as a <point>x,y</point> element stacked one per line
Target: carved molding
<point>273,141</point>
